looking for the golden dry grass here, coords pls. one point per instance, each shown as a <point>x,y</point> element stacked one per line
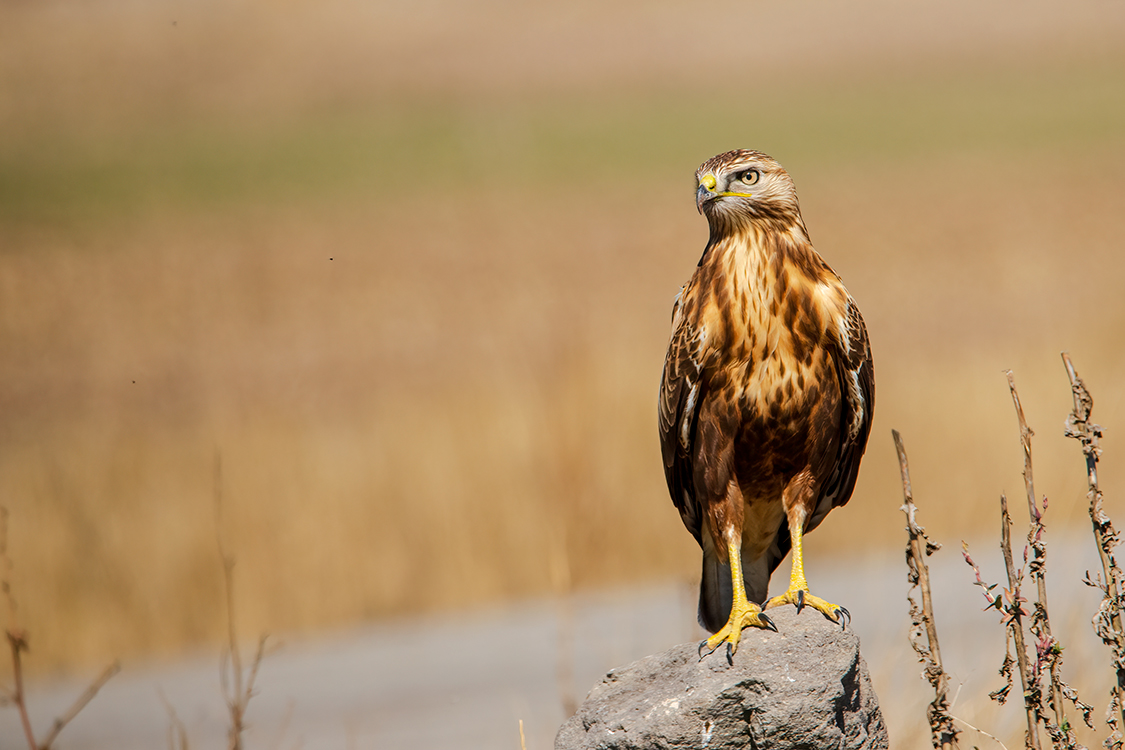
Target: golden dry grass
<point>421,310</point>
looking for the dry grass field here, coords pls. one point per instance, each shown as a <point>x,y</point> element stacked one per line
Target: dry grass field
<point>409,274</point>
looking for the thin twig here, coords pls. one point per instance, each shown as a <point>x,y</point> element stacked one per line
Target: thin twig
<point>17,637</point>
<point>943,732</point>
<point>1014,616</point>
<point>177,732</point>
<point>235,693</point>
<point>17,640</point>
<point>1107,622</point>
<point>1010,607</point>
<point>79,704</point>
<point>232,696</point>
<point>1047,648</point>
<point>981,731</point>
<point>1037,565</point>
<point>259,654</point>
<point>232,690</point>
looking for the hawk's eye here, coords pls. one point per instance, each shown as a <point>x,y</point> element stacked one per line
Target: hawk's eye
<point>750,176</point>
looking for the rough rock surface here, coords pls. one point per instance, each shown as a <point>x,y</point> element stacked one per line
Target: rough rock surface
<point>805,686</point>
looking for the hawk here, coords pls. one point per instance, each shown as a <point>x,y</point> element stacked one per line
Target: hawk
<point>766,398</point>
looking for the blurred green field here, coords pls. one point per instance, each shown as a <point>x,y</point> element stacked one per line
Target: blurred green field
<point>579,143</point>
<point>421,311</point>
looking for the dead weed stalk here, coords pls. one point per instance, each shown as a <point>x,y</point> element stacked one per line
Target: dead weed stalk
<point>918,548</point>
<point>237,683</point>
<point>1030,645</point>
<point>18,642</point>
<point>1107,621</point>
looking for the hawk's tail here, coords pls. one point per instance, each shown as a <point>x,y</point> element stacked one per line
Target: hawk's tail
<point>715,594</point>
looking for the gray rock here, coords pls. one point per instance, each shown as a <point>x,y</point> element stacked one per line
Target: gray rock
<point>805,686</point>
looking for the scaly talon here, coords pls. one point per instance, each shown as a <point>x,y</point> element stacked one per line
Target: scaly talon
<point>798,591</point>
<point>801,597</point>
<point>743,613</point>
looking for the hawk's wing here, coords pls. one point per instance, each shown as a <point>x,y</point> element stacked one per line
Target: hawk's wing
<point>856,375</point>
<point>681,391</point>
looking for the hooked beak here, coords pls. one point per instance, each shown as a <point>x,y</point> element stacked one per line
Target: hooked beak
<point>705,191</point>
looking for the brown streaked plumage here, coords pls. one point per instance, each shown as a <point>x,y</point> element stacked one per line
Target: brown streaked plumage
<point>767,394</point>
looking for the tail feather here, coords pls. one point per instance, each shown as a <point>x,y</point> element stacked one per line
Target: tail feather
<point>715,594</point>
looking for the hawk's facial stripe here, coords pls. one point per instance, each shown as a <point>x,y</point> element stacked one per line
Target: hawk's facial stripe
<point>726,193</point>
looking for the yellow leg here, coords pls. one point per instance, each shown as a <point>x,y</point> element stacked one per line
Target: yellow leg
<point>743,613</point>
<point>798,591</point>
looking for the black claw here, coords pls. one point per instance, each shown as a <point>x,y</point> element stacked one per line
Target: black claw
<point>701,645</point>
<point>844,617</point>
<point>730,654</point>
<point>800,600</point>
<point>767,622</point>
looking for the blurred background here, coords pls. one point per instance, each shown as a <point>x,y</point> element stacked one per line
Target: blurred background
<point>405,272</point>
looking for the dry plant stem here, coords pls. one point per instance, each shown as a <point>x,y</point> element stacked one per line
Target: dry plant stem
<point>237,696</point>
<point>18,644</point>
<point>943,732</point>
<point>177,733</point>
<point>981,731</point>
<point>79,704</point>
<point>239,699</point>
<point>17,639</point>
<point>1040,621</point>
<point>233,697</point>
<point>1107,622</point>
<point>1015,625</point>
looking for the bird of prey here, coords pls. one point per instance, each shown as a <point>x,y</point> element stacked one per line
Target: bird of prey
<point>766,398</point>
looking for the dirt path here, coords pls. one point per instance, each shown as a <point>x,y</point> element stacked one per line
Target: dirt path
<point>425,683</point>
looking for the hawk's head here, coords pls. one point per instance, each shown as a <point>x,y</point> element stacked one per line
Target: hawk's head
<point>742,186</point>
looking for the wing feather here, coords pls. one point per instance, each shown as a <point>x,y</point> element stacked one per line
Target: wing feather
<point>681,392</point>
<point>856,375</point>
